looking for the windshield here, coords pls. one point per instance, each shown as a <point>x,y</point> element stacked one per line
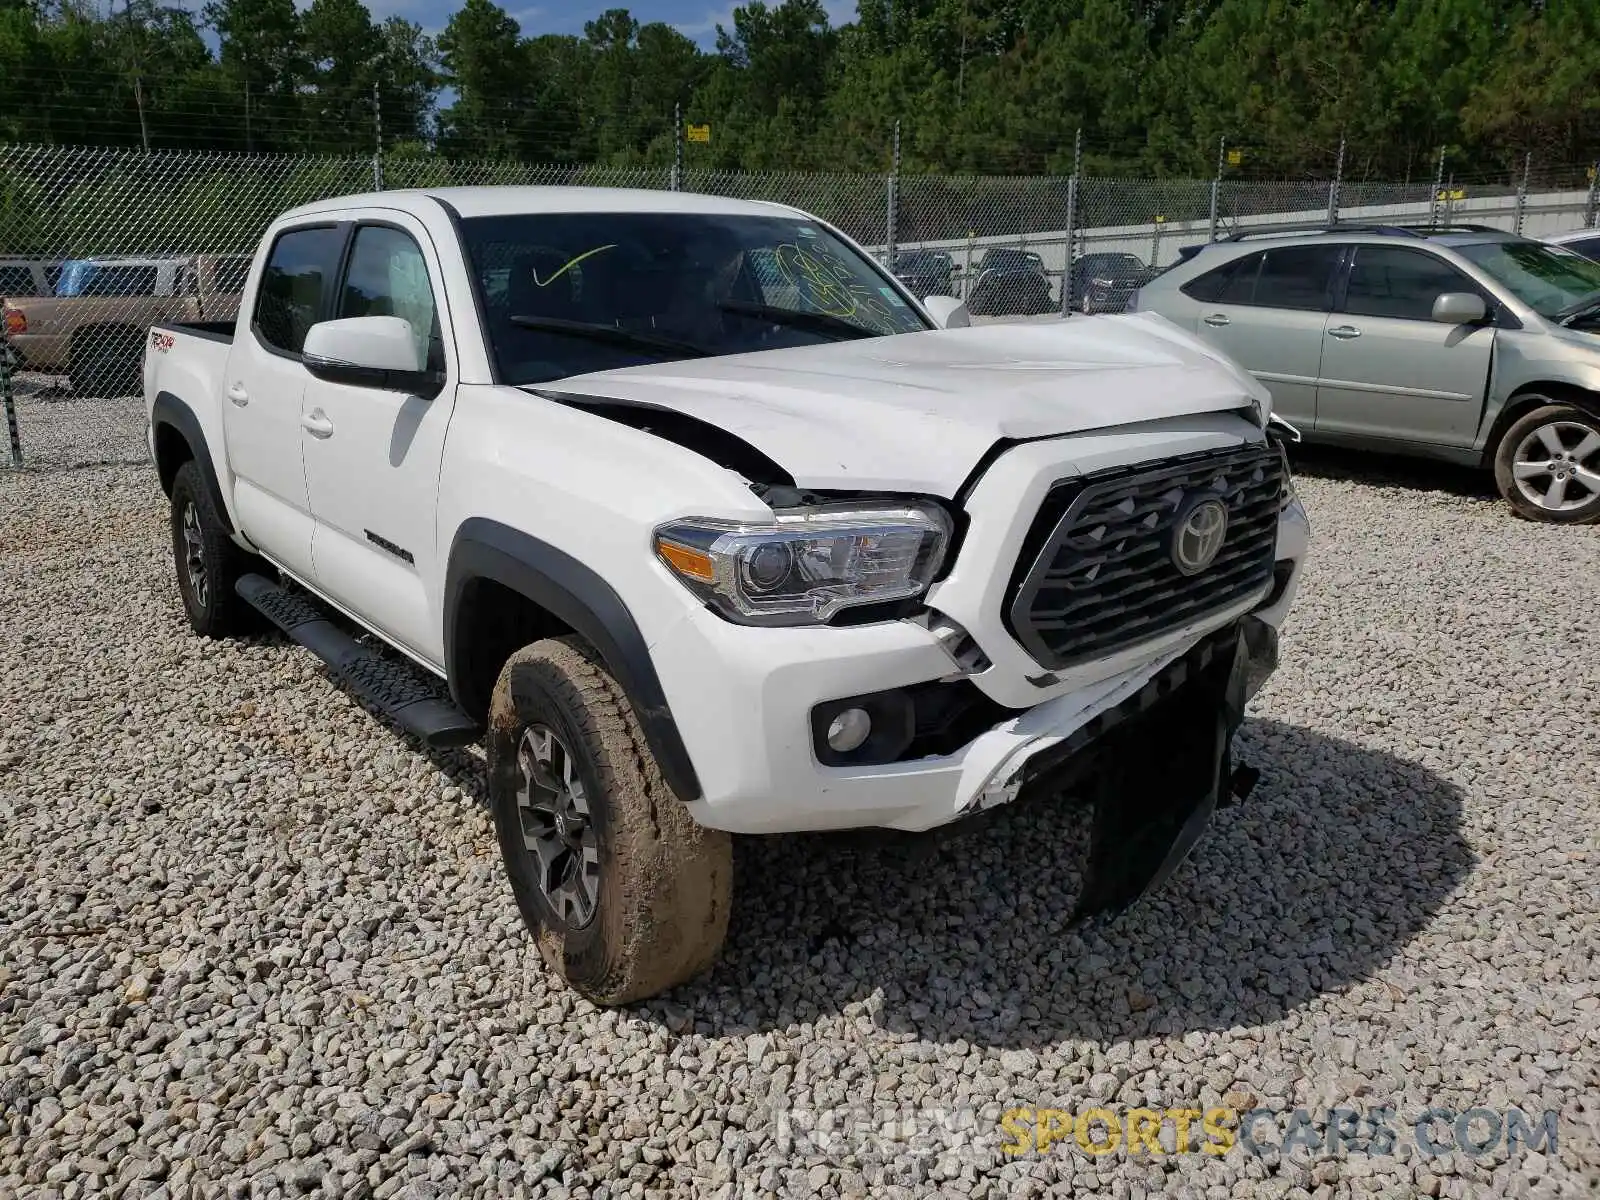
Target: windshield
<point>1548,279</point>
<point>562,292</point>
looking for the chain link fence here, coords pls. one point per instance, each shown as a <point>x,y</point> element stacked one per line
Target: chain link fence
<point>98,245</point>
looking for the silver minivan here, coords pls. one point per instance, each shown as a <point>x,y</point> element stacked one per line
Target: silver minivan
<point>1462,343</point>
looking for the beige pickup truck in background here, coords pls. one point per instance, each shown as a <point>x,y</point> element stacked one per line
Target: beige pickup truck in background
<point>93,328</point>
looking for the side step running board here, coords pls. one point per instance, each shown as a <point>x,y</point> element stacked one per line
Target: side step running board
<point>409,696</point>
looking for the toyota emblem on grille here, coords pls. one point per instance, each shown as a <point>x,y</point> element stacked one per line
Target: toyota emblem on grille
<point>1199,536</point>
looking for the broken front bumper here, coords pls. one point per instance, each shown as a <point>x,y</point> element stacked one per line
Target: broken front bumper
<point>1158,765</point>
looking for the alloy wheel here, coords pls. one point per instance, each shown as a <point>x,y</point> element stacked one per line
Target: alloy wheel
<point>1557,466</point>
<point>557,825</point>
<point>194,562</point>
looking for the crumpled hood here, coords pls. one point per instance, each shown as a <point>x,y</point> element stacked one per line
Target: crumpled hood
<point>917,412</point>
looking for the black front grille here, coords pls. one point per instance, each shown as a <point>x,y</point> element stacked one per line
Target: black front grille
<point>1097,572</point>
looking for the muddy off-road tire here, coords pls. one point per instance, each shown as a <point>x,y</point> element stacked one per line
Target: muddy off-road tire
<point>625,894</point>
<point>207,561</point>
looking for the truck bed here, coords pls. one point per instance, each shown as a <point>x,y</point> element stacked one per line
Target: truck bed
<point>214,331</point>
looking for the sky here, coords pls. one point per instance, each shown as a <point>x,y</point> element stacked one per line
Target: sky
<point>697,19</point>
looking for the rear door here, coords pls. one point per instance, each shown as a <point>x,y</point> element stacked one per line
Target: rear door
<point>373,454</point>
<point>263,389</point>
<point>1388,369</point>
<point>1267,310</point>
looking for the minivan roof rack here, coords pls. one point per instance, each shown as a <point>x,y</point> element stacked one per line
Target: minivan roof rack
<point>1391,230</point>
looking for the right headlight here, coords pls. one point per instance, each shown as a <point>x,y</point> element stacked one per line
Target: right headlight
<point>807,564</point>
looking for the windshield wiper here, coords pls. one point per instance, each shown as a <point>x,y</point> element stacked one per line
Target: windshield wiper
<point>1581,308</point>
<point>816,322</point>
<point>596,332</point>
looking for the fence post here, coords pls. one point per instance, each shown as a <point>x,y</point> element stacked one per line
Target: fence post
<point>676,182</point>
<point>377,141</point>
<point>1591,207</point>
<point>8,401</point>
<point>1438,192</point>
<point>1333,188</point>
<point>1069,267</point>
<point>1522,193</point>
<point>893,200</point>
<point>1216,185</point>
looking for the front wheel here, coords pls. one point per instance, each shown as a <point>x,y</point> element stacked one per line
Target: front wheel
<point>1547,465</point>
<point>624,892</point>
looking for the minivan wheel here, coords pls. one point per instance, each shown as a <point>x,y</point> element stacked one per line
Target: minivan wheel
<point>625,894</point>
<point>1547,465</point>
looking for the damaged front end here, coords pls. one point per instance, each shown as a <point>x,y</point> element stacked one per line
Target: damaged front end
<point>1158,765</point>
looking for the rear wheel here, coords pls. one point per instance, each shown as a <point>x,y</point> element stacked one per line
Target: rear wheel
<point>1547,465</point>
<point>624,892</point>
<point>207,561</point>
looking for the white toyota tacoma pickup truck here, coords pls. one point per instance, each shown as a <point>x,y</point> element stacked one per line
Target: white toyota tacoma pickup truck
<point>708,526</point>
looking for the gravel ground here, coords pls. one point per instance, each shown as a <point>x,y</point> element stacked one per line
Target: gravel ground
<point>254,943</point>
<point>59,429</point>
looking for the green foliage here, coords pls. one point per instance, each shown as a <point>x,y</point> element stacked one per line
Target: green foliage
<point>974,86</point>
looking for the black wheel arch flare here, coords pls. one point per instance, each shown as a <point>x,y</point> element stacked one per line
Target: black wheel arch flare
<point>168,410</point>
<point>580,599</point>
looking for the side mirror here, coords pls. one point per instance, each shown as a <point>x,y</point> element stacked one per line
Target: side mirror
<point>947,312</point>
<point>375,352</point>
<point>1459,308</point>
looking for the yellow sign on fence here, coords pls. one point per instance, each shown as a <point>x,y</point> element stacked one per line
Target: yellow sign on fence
<point>699,133</point>
<point>1235,157</point>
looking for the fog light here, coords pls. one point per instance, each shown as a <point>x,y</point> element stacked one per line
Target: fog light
<point>848,730</point>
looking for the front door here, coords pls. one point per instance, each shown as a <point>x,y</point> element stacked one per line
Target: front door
<point>372,455</point>
<point>1267,312</point>
<point>1388,369</point>
<point>263,390</point>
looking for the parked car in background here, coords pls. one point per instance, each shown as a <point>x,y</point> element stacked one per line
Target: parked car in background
<point>1104,281</point>
<point>925,272</point>
<point>25,277</point>
<point>1463,343</point>
<point>1010,283</point>
<point>92,327</point>
<point>1582,241</point>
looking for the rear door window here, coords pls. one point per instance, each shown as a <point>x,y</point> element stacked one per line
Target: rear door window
<point>290,299</point>
<point>1298,277</point>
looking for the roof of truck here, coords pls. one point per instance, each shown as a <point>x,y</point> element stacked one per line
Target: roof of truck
<point>507,201</point>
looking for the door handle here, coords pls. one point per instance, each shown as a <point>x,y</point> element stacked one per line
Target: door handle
<point>1344,332</point>
<point>238,395</point>
<point>316,423</point>
<point>1215,320</point>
